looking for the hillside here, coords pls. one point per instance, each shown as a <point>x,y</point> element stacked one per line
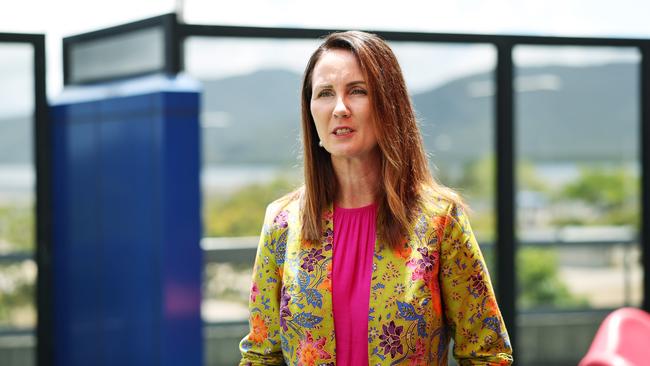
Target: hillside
<point>563,113</point>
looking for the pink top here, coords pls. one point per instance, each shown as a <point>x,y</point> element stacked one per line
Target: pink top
<point>354,245</point>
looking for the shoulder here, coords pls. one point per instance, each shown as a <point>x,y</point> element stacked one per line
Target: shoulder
<point>281,211</point>
<point>436,202</point>
<point>442,214</point>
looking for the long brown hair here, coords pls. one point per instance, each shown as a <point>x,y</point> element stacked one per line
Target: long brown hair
<point>404,165</point>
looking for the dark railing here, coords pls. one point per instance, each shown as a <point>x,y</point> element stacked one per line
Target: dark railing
<point>15,257</point>
<point>41,147</point>
<point>571,329</point>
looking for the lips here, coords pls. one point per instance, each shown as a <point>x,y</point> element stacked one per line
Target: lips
<point>342,131</point>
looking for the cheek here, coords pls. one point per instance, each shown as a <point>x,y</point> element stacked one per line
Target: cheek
<point>317,109</point>
<point>314,114</point>
<point>319,114</point>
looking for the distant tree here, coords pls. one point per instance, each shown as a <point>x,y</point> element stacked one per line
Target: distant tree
<point>477,185</point>
<point>613,193</point>
<point>17,307</point>
<point>17,227</point>
<point>539,283</point>
<point>16,288</point>
<point>605,189</point>
<point>241,213</point>
<point>478,178</point>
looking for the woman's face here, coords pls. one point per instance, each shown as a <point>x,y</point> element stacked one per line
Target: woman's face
<point>340,106</point>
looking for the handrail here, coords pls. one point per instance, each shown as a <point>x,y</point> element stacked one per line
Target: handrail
<point>242,249</point>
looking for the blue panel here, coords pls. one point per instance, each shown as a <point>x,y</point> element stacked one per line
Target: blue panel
<point>182,293</point>
<point>59,221</point>
<point>128,273</point>
<point>78,245</point>
<point>127,259</point>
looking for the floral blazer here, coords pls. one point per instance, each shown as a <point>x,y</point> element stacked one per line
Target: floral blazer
<point>433,288</point>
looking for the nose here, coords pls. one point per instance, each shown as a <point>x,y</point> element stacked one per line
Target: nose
<point>341,109</point>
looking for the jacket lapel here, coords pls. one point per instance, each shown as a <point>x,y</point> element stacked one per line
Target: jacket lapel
<point>325,278</point>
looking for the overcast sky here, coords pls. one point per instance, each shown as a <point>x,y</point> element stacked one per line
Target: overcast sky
<point>60,18</point>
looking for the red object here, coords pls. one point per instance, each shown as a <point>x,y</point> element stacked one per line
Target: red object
<point>623,339</point>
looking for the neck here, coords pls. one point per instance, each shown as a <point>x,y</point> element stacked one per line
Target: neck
<point>358,180</point>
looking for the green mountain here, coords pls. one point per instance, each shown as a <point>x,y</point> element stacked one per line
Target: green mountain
<point>252,118</point>
<point>562,113</point>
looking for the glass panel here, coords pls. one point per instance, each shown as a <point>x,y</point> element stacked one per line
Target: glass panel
<point>250,134</point>
<point>118,56</point>
<point>17,187</point>
<point>578,195</point>
<point>453,94</point>
<point>250,126</point>
<point>250,139</point>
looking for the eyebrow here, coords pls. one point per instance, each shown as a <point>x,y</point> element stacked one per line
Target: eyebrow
<point>352,83</point>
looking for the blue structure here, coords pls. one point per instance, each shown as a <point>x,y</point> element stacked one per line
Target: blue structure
<point>127,262</point>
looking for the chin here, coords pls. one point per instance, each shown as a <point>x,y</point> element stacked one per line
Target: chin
<point>350,154</point>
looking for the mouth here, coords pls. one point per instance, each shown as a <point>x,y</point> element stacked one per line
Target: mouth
<point>342,131</point>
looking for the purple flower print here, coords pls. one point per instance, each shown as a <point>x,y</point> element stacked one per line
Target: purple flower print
<point>478,285</point>
<point>423,268</point>
<point>428,261</point>
<point>390,339</point>
<point>284,308</point>
<point>281,219</point>
<point>329,238</point>
<point>310,260</point>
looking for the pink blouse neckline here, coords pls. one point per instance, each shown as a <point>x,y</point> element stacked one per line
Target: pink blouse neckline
<point>353,209</point>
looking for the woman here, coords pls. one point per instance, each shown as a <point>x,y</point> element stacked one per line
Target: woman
<point>371,262</point>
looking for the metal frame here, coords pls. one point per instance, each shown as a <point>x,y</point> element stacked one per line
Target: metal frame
<point>43,196</point>
<point>172,46</point>
<point>644,135</point>
<point>506,246</point>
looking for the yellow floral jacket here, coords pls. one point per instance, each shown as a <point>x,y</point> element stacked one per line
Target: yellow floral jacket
<point>433,288</point>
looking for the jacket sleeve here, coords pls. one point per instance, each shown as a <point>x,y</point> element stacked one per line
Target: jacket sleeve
<point>261,346</point>
<point>470,307</point>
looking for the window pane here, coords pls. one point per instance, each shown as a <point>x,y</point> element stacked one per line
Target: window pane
<point>250,126</point>
<point>578,195</point>
<point>17,188</point>
<point>121,55</point>
<point>453,94</point>
<point>250,122</point>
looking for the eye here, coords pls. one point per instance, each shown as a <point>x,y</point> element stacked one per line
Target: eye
<point>325,93</point>
<point>359,91</point>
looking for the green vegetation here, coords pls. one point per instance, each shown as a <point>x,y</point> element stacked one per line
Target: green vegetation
<point>16,227</point>
<point>539,284</point>
<point>598,196</point>
<point>242,212</point>
<point>17,295</point>
<point>17,286</point>
<point>612,193</point>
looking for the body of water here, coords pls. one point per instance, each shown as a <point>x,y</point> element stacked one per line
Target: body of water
<point>558,174</point>
<point>17,178</point>
<point>20,179</point>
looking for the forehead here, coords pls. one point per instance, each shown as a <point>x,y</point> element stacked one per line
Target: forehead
<point>336,65</point>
